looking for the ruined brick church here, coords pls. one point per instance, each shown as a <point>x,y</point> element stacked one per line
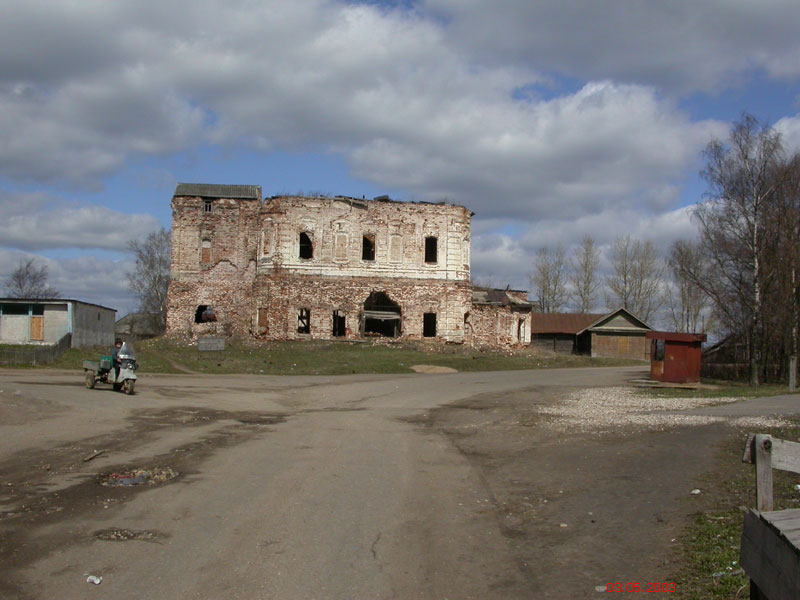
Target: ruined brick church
<point>297,267</point>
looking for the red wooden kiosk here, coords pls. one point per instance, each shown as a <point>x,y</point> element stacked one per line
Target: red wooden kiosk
<point>675,357</point>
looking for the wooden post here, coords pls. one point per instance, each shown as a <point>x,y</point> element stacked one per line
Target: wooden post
<point>763,448</point>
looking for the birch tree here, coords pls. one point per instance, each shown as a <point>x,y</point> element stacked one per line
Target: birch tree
<point>548,279</point>
<point>635,279</point>
<point>585,283</point>
<point>741,178</point>
<point>150,278</point>
<point>687,303</point>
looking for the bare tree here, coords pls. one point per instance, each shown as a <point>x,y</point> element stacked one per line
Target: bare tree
<point>548,280</point>
<point>686,301</point>
<point>785,221</point>
<point>635,280</point>
<point>584,278</point>
<point>150,278</point>
<point>29,280</point>
<point>741,177</point>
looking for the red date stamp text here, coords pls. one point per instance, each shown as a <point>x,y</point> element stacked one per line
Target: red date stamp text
<point>645,588</point>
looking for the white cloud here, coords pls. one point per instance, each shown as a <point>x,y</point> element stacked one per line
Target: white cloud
<point>679,45</point>
<point>38,222</point>
<point>789,127</point>
<point>388,90</point>
<point>604,145</point>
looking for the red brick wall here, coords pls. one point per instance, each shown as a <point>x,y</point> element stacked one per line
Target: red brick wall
<point>493,325</point>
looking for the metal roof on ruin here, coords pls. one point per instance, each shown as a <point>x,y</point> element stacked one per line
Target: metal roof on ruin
<point>218,190</point>
<point>494,296</point>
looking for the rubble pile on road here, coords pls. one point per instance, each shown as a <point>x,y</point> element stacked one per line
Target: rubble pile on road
<point>123,535</point>
<point>138,477</point>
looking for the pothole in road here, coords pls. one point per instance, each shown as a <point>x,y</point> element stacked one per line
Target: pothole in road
<point>138,477</point>
<point>115,534</point>
<point>262,420</point>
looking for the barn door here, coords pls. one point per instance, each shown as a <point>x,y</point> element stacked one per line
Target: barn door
<point>37,329</point>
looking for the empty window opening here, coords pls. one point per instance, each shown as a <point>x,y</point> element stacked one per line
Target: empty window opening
<point>368,247</point>
<point>429,325</point>
<point>521,330</point>
<point>339,324</point>
<point>381,316</point>
<point>16,309</point>
<point>304,321</point>
<point>431,254</point>
<point>205,314</point>
<point>208,206</point>
<point>306,247</point>
<point>205,252</point>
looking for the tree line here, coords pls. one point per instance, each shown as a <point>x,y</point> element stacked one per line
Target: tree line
<point>739,277</point>
<point>635,281</point>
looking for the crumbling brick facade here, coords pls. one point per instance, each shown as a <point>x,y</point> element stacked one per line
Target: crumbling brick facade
<point>292,267</point>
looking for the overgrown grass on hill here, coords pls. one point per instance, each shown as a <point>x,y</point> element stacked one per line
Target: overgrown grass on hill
<point>330,358</point>
<point>708,562</point>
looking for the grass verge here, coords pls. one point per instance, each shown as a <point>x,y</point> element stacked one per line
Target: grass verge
<point>330,358</point>
<point>708,564</point>
<point>717,389</point>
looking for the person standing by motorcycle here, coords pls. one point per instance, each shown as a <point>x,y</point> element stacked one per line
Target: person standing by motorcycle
<point>115,357</point>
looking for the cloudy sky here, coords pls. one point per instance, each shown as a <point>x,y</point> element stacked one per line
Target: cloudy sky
<point>548,119</point>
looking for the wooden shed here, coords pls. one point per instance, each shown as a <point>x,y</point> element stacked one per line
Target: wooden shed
<point>559,331</point>
<point>618,334</point>
<point>675,357</point>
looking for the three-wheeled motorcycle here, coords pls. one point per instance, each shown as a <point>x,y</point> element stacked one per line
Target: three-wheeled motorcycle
<point>104,371</point>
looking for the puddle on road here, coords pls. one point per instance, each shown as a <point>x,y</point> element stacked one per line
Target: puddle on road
<point>261,420</point>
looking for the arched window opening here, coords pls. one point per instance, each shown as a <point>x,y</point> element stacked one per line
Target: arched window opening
<point>381,316</point>
<point>306,247</point>
<point>431,250</point>
<point>368,247</point>
<point>205,314</point>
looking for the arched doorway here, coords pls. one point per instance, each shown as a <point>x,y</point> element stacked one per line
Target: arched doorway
<point>381,316</point>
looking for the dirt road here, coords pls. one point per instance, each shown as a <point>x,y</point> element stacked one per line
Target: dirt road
<point>418,486</point>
